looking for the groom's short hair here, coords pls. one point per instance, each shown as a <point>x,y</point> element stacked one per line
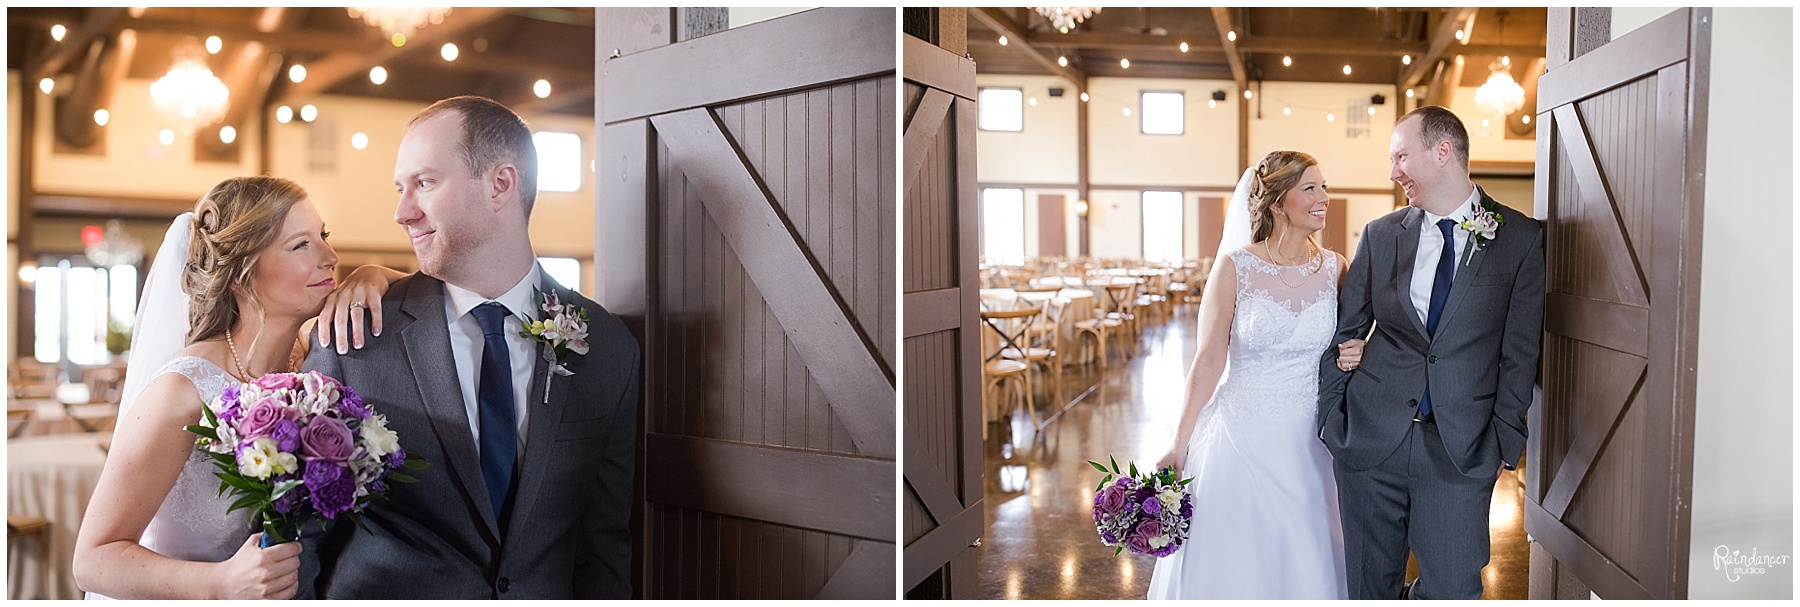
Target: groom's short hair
<point>1437,123</point>
<point>492,134</point>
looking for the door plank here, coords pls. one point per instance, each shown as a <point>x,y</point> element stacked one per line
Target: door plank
<point>862,574</point>
<point>1601,401</point>
<point>1645,50</point>
<point>931,551</point>
<point>1594,191</point>
<point>1603,323</point>
<point>840,356</point>
<point>775,484</point>
<point>928,481</point>
<point>1588,564</point>
<point>923,128</point>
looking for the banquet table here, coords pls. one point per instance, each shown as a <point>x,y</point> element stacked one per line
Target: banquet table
<point>53,477</point>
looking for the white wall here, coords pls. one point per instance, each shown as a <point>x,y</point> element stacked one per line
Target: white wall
<point>1120,154</point>
<point>1743,444</point>
<point>1347,162</point>
<point>1044,151</point>
<point>135,164</point>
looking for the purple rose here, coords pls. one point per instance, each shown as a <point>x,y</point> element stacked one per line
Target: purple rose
<point>1138,543</point>
<point>327,439</point>
<point>286,434</point>
<point>260,420</point>
<point>1150,529</point>
<point>1113,498</point>
<point>353,404</point>
<point>1152,506</point>
<point>1124,481</point>
<point>277,381</point>
<point>332,490</point>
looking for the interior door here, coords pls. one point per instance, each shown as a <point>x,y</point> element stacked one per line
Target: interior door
<point>1620,143</point>
<point>756,167</point>
<point>943,507</point>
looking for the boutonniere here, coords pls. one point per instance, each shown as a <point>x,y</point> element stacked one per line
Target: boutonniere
<point>564,328</point>
<point>1484,220</point>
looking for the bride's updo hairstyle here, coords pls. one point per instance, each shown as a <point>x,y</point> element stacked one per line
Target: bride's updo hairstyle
<point>1277,173</point>
<point>233,223</point>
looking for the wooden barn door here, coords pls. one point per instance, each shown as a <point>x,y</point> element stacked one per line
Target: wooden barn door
<point>943,506</point>
<point>756,166</point>
<point>1620,145</point>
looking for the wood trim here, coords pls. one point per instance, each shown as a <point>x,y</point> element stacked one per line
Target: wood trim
<point>1503,168</point>
<point>838,352</point>
<point>1442,37</point>
<point>1215,189</point>
<point>1589,564</point>
<point>1006,26</point>
<point>1642,52</point>
<point>928,481</point>
<point>760,482</point>
<point>106,205</point>
<point>805,58</point>
<point>1222,23</point>
<point>1607,324</point>
<point>1558,48</point>
<point>922,131</point>
<point>968,217</point>
<point>932,311</point>
<point>1586,164</point>
<point>927,554</point>
<point>99,21</point>
<point>621,239</point>
<point>859,575</point>
<point>935,68</point>
<point>323,73</point>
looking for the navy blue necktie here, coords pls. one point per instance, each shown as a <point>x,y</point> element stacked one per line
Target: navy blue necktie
<point>1440,291</point>
<point>494,395</point>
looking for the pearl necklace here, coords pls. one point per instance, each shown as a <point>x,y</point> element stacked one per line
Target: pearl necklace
<point>243,374</point>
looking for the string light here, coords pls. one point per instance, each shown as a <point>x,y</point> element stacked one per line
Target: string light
<point>1346,69</point>
<point>1062,61</point>
<point>227,134</point>
<point>541,89</point>
<point>101,116</point>
<point>1212,104</point>
<point>1184,47</point>
<point>1125,63</point>
<point>1406,60</point>
<point>378,74</point>
<point>1231,35</point>
<point>213,44</point>
<point>1127,111</point>
<point>1525,119</point>
<point>1287,111</point>
<point>57,31</point>
<point>1032,101</point>
<point>1330,117</point>
<point>167,137</point>
<point>308,112</point>
<point>359,141</point>
<point>284,114</point>
<point>449,52</point>
<point>1003,41</point>
<point>297,73</point>
<point>1371,110</point>
<point>1287,61</point>
<point>46,85</point>
<point>1084,97</point>
<point>1246,94</point>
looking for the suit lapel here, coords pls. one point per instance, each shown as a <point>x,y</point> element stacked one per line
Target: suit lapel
<point>1470,267</point>
<point>1406,249</point>
<point>546,414</point>
<point>434,373</point>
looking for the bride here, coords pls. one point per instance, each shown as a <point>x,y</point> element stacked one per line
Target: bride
<point>253,264</point>
<point>1265,517</point>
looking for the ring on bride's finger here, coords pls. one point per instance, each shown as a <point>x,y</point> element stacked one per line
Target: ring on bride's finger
<point>357,304</point>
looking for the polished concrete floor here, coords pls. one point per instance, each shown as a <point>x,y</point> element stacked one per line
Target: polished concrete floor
<point>1040,541</point>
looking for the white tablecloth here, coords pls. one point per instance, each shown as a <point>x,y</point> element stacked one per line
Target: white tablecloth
<point>52,477</point>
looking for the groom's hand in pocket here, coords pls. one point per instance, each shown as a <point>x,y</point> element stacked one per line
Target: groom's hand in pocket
<point>1350,355</point>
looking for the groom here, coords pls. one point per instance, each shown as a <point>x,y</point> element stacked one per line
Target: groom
<point>1420,432</point>
<point>530,493</point>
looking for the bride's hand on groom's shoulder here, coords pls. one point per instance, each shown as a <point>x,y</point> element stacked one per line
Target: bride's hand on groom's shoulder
<point>1350,355</point>
<point>341,320</point>
<point>261,573</point>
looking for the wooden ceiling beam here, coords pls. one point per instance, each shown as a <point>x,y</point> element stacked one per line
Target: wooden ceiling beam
<point>279,40</point>
<point>75,41</point>
<point>494,62</point>
<point>1013,30</point>
<point>529,103</point>
<point>1222,19</point>
<point>322,74</point>
<point>1442,36</point>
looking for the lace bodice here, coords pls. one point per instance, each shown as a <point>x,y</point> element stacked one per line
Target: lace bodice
<point>192,524</point>
<point>1285,319</point>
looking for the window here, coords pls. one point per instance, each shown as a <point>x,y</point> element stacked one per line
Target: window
<point>76,304</point>
<point>1003,226</point>
<point>1002,109</point>
<point>565,270</point>
<point>1163,222</point>
<point>1162,113</point>
<point>559,161</point>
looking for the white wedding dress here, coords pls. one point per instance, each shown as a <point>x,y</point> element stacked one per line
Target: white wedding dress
<point>1265,522</point>
<point>192,524</point>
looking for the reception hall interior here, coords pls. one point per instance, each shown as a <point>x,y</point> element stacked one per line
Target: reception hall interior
<point>1106,143</point>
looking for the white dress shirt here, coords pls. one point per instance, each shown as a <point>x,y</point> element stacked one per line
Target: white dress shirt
<point>467,345</point>
<point>1431,246</point>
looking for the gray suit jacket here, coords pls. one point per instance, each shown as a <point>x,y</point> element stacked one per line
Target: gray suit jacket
<point>1482,363</point>
<point>568,535</point>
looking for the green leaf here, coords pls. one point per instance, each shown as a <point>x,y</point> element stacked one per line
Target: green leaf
<point>204,432</point>
<point>1134,472</point>
<point>401,478</point>
<point>1096,465</point>
<point>283,487</point>
<point>1115,464</point>
<point>1118,549</point>
<point>244,502</point>
<point>413,463</point>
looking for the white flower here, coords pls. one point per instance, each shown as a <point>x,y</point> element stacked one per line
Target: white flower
<point>1169,498</point>
<point>377,438</point>
<point>262,459</point>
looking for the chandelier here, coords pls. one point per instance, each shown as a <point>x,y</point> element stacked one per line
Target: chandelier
<point>402,20</point>
<point>189,96</point>
<point>1063,18</point>
<point>114,248</point>
<point>1501,94</point>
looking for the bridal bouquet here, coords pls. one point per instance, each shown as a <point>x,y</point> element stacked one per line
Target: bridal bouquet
<point>294,446</point>
<point>1146,514</point>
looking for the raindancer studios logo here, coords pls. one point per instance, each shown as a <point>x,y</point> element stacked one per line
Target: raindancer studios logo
<point>1736,564</point>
